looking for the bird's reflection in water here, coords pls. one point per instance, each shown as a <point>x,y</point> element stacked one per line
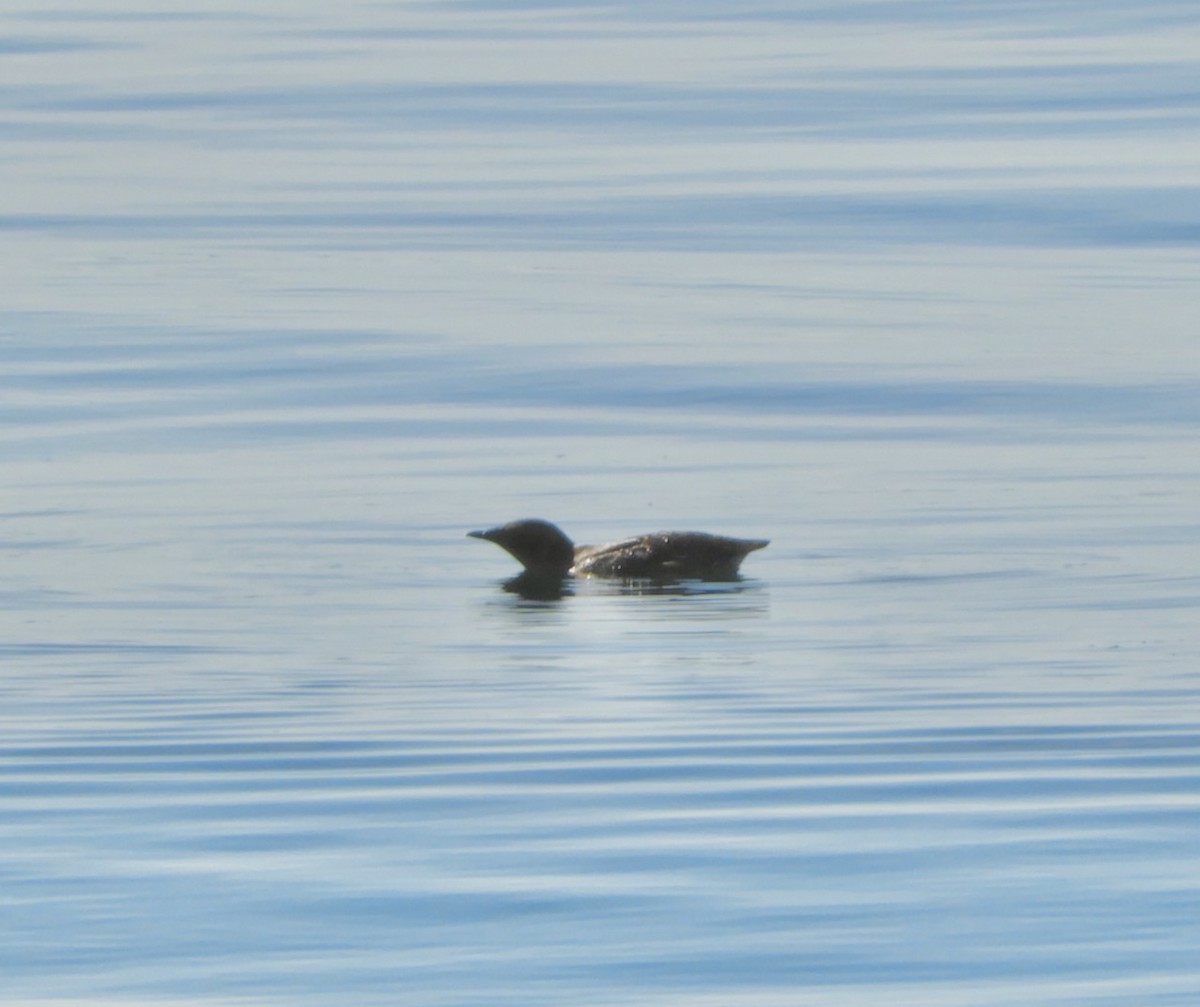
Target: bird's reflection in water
<point>531,587</point>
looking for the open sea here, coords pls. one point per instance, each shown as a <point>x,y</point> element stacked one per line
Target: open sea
<point>295,294</point>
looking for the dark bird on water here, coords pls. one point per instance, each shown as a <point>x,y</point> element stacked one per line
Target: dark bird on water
<point>546,552</point>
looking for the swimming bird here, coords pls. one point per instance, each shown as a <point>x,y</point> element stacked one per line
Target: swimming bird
<point>545,551</point>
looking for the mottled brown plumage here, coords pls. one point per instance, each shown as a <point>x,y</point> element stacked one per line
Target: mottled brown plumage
<point>545,551</point>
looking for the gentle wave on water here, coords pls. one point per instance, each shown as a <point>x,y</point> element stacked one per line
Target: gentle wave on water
<point>765,848</point>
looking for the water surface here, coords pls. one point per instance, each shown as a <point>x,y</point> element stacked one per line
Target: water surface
<point>294,297</point>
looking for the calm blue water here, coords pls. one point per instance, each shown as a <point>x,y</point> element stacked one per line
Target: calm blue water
<point>296,295</point>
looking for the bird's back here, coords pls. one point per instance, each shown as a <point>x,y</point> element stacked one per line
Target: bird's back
<point>667,554</point>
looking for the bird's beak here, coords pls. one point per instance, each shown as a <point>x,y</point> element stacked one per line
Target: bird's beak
<point>477,534</point>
